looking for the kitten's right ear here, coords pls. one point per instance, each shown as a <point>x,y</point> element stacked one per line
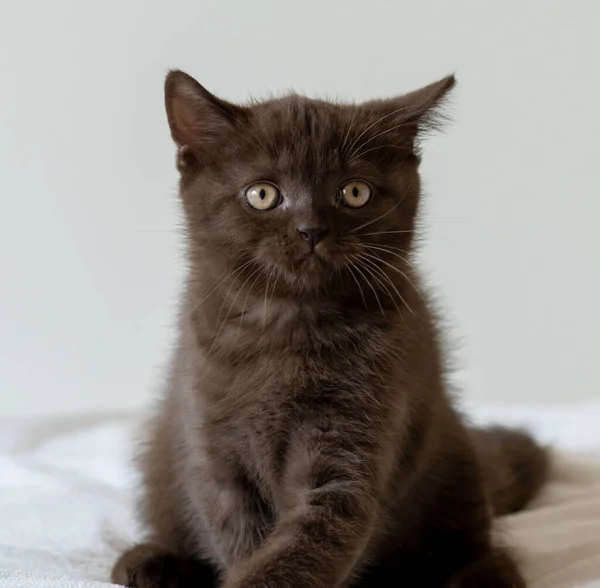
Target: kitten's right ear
<point>198,120</point>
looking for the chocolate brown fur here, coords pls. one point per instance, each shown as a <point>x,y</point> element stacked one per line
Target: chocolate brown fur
<point>306,437</point>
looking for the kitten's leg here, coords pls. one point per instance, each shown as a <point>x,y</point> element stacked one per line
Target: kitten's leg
<point>327,506</point>
<point>234,516</point>
<point>449,542</point>
<point>405,569</point>
<point>232,525</point>
<point>150,566</point>
<point>211,511</point>
<point>493,569</point>
<point>230,522</point>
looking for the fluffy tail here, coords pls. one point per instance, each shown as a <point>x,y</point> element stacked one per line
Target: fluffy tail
<point>514,467</point>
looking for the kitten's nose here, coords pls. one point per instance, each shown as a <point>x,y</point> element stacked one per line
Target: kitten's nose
<point>312,235</point>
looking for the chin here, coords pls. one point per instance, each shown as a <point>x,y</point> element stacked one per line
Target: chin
<point>312,273</point>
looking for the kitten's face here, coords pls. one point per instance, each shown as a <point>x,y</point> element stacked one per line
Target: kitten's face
<point>297,194</point>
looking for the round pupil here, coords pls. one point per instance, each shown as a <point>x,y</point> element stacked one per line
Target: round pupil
<point>355,192</point>
<point>262,193</point>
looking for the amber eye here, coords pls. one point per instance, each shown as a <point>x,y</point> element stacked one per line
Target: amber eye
<point>263,196</point>
<point>355,194</point>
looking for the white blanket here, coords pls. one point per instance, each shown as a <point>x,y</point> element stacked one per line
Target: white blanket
<point>66,500</point>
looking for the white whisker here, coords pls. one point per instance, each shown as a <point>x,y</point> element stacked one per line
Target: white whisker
<point>389,146</point>
<point>356,267</point>
<point>362,294</point>
<point>384,214</point>
<point>350,125</point>
<point>384,275</point>
<point>385,233</point>
<point>259,269</point>
<point>362,243</point>
<point>375,220</point>
<point>274,270</point>
<point>357,153</point>
<point>381,119</point>
<point>244,307</point>
<point>396,269</point>
<point>386,249</point>
<point>229,275</point>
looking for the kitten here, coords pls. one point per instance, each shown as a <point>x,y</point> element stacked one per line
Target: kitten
<point>306,437</point>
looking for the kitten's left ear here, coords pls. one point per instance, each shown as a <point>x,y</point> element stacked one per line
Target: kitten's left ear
<point>198,120</point>
<point>407,116</point>
<point>427,101</point>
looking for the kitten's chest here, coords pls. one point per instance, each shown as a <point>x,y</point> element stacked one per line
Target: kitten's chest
<point>263,405</point>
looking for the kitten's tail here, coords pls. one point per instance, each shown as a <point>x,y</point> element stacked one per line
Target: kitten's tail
<point>514,467</point>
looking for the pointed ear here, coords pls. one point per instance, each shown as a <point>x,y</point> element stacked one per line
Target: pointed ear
<point>198,120</point>
<point>426,102</point>
<point>404,118</point>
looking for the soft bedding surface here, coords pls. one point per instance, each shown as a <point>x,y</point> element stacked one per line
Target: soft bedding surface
<point>66,499</point>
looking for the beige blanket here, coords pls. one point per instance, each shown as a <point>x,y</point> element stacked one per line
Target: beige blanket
<point>558,538</point>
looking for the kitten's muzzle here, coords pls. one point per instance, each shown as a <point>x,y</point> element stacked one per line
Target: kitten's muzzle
<point>312,235</point>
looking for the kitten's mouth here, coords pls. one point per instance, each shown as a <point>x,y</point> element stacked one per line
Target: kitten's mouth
<point>311,261</point>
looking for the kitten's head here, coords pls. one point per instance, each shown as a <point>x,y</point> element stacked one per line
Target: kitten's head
<point>303,192</point>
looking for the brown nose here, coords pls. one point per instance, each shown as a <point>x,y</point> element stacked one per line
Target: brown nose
<point>312,235</point>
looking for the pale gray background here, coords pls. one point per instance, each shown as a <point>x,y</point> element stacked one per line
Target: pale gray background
<point>90,260</point>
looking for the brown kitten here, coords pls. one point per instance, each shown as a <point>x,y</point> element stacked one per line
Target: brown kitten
<point>306,437</point>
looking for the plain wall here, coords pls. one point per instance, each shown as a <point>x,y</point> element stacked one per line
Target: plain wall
<point>91,262</point>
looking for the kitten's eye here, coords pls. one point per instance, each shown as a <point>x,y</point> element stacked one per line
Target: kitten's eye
<point>355,194</point>
<point>263,196</point>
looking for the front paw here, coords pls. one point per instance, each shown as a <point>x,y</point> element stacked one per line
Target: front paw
<point>149,566</point>
<point>254,582</point>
